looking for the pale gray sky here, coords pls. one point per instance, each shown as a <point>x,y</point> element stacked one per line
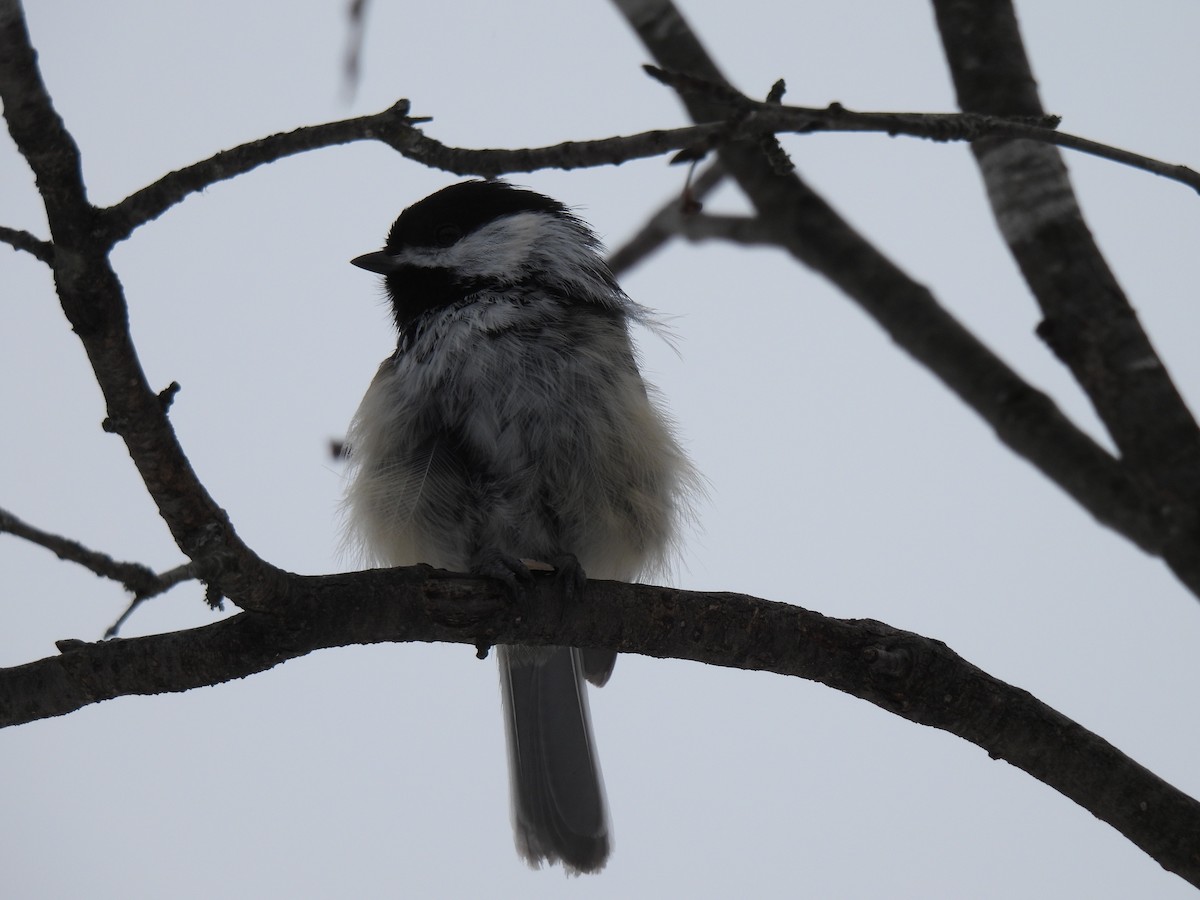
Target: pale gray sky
<point>843,477</point>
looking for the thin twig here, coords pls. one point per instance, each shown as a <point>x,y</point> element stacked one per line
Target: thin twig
<point>660,227</point>
<point>136,578</point>
<point>398,130</point>
<point>771,117</point>
<point>166,581</point>
<point>356,17</point>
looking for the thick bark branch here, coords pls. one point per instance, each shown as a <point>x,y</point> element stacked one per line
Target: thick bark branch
<point>93,300</point>
<point>1024,418</point>
<point>1089,323</point>
<point>906,674</point>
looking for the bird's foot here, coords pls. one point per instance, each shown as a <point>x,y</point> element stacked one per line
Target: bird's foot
<point>569,576</point>
<point>505,568</point>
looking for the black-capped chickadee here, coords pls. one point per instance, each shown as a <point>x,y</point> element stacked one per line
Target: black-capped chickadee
<point>512,424</point>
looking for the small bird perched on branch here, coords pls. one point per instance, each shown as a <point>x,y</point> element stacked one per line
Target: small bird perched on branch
<point>512,424</point>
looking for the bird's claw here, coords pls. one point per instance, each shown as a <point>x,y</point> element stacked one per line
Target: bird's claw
<point>505,568</point>
<point>569,576</point>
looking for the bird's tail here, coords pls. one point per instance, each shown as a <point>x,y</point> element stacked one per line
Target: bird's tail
<point>559,809</point>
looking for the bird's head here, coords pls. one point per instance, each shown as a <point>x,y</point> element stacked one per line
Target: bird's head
<point>489,236</point>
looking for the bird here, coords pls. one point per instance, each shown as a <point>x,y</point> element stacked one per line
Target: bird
<point>512,426</point>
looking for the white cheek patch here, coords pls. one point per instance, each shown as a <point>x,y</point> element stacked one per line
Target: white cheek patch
<point>557,253</point>
<point>498,249</point>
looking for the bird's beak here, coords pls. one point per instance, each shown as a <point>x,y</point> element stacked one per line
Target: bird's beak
<point>378,262</point>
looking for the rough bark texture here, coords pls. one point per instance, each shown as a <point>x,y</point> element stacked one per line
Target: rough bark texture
<point>1088,321</point>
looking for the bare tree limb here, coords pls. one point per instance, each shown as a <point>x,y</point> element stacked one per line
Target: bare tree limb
<point>1089,323</point>
<point>23,240</point>
<point>749,231</point>
<point>138,579</point>
<point>969,126</point>
<point>1172,171</point>
<point>393,126</point>
<point>164,583</point>
<point>1024,418</point>
<point>94,303</point>
<point>398,130</point>
<point>915,677</point>
<point>663,225</point>
<point>356,20</point>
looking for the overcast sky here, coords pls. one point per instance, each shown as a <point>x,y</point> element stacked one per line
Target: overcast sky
<point>843,477</point>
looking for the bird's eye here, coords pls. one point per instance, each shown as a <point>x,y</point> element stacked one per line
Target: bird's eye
<point>447,235</point>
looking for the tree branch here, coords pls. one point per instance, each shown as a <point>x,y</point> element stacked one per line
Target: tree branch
<point>393,126</point>
<point>1024,418</point>
<point>398,130</point>
<point>1089,323</point>
<point>163,583</point>
<point>141,581</point>
<point>773,118</point>
<point>663,225</point>
<point>748,231</point>
<point>94,303</point>
<point>911,676</point>
<point>23,240</point>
